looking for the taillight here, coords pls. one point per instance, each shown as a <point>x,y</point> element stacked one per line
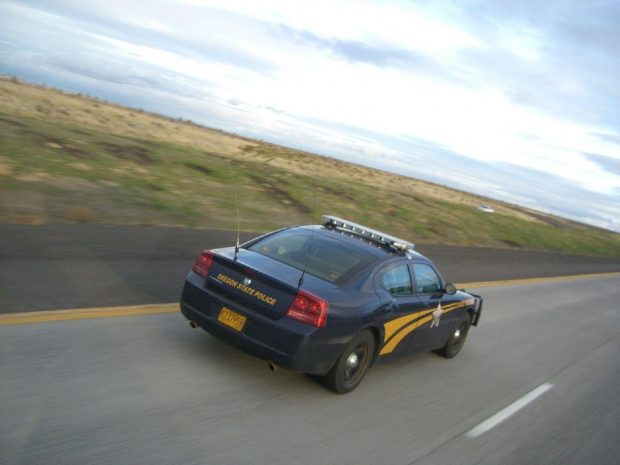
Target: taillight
<point>308,309</point>
<point>203,263</point>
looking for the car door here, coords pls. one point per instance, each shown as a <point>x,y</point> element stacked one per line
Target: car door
<point>400,307</point>
<point>433,324</point>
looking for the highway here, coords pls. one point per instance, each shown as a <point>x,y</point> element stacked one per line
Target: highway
<point>537,382</point>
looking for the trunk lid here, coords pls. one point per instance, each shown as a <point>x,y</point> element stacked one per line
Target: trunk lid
<point>269,291</point>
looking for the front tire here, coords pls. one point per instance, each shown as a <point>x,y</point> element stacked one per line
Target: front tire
<point>457,338</point>
<point>352,365</point>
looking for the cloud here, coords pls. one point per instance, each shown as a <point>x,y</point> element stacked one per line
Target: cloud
<point>274,110</point>
<point>608,164</point>
<point>358,51</point>
<point>613,138</point>
<point>78,26</point>
<point>556,55</point>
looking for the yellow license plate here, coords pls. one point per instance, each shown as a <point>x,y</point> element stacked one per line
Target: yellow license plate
<point>232,319</point>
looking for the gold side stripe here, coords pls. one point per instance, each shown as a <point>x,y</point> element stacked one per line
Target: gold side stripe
<point>392,327</point>
<point>405,330</point>
<point>390,346</point>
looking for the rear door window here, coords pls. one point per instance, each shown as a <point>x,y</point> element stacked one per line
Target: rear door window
<point>397,280</point>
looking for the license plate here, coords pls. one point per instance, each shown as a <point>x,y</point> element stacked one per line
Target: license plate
<point>231,319</point>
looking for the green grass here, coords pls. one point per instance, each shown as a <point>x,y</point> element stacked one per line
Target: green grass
<point>73,169</point>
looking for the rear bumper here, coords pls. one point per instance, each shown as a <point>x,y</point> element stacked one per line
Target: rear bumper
<point>287,343</point>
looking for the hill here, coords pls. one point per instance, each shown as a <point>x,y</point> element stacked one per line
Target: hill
<point>69,157</point>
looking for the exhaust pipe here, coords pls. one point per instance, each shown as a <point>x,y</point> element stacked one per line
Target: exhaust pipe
<point>272,366</point>
<point>193,325</point>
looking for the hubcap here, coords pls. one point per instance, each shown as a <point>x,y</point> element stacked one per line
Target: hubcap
<point>457,333</point>
<point>352,360</point>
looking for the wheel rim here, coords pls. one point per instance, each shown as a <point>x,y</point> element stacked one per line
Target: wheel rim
<point>355,363</point>
<point>459,336</point>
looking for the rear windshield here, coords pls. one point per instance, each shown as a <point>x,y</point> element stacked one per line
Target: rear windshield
<point>329,259</point>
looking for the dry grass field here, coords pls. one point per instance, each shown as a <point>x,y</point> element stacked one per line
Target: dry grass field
<point>73,158</point>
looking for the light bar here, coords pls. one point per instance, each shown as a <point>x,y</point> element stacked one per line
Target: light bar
<point>363,231</point>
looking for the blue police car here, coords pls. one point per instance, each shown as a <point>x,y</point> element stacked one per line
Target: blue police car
<point>329,300</point>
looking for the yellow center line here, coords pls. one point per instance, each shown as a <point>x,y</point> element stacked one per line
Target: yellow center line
<point>109,312</point>
<point>536,280</point>
<point>85,313</point>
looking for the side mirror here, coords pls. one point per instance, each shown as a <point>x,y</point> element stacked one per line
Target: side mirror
<point>450,289</point>
<point>431,289</point>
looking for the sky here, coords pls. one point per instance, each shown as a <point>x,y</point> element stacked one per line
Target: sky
<point>514,100</point>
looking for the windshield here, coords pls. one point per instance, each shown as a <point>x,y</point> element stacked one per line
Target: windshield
<point>326,258</point>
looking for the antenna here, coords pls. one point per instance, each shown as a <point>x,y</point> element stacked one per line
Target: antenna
<point>303,273</point>
<point>237,205</point>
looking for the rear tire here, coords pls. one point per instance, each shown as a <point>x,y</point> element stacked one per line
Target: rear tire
<point>352,365</point>
<point>457,338</point>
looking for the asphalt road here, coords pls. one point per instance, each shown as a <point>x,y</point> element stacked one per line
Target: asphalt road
<point>147,389</point>
<point>64,266</point>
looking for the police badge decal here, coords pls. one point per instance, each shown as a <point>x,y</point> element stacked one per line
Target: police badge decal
<point>437,315</point>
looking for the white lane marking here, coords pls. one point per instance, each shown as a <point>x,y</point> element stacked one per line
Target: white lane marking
<point>508,411</point>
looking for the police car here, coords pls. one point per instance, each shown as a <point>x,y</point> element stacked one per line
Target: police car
<point>328,300</point>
